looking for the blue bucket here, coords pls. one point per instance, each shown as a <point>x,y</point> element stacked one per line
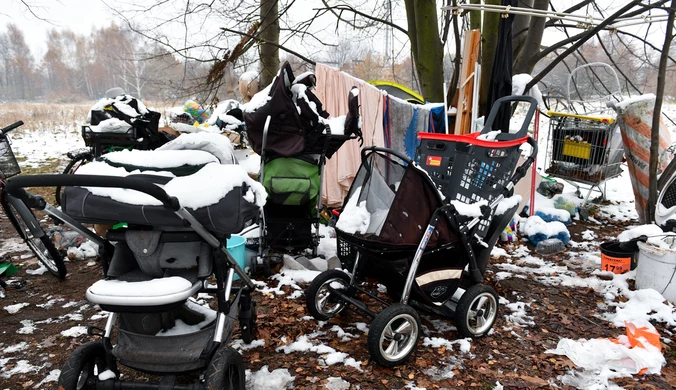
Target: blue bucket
<point>236,246</point>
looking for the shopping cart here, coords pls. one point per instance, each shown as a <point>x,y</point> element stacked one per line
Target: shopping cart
<point>584,148</point>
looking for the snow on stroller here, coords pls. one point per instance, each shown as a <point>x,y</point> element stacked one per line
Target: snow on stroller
<point>293,137</point>
<point>174,241</point>
<point>423,232</point>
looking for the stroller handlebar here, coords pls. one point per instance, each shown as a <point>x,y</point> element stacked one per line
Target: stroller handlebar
<point>401,156</point>
<point>16,186</point>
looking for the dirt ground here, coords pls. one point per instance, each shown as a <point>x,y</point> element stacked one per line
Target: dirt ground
<point>513,356</point>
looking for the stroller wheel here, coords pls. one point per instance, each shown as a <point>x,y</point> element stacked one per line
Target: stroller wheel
<point>225,371</point>
<point>82,368</point>
<point>321,302</point>
<point>477,311</point>
<point>248,325</point>
<point>393,335</point>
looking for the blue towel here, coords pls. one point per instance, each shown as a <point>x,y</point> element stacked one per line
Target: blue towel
<point>547,217</point>
<point>411,135</point>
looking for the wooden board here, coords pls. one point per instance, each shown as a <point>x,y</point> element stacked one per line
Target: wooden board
<point>470,55</point>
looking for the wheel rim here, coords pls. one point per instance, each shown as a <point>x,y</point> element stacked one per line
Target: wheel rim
<point>35,244</point>
<point>398,337</point>
<point>88,372</point>
<point>481,313</point>
<point>326,302</point>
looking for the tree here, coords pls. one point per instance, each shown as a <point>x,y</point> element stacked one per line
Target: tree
<point>269,32</point>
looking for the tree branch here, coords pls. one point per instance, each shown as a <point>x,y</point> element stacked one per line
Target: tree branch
<point>343,7</point>
<point>302,57</point>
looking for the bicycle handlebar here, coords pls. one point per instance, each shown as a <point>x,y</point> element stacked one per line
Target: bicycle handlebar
<point>16,185</point>
<point>11,127</point>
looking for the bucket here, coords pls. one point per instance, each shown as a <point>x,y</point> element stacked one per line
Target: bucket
<point>657,269</point>
<point>236,246</point>
<point>616,259</point>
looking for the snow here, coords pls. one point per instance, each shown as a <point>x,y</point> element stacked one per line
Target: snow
<point>249,76</point>
<point>220,111</point>
<point>258,100</point>
<point>537,229</point>
<point>464,345</point>
<point>263,379</point>
<point>248,160</point>
<point>160,159</point>
<point>469,210</point>
<point>10,245</point>
<point>75,331</point>
<point>121,103</point>
<point>303,344</point>
<point>519,82</point>
<point>301,76</point>
<point>203,188</point>
<point>554,214</point>
<point>152,288</point>
<point>328,246</point>
<point>337,124</point>
<point>21,367</point>
<point>607,359</point>
<point>354,218</point>
<point>589,235</point>
<point>15,348</point>
<point>518,315</point>
<point>180,327</point>
<point>27,327</point>
<point>53,376</point>
<point>216,144</point>
<point>507,204</point>
<point>107,374</point>
<point>13,309</point>
<point>636,99</point>
<point>112,125</point>
<point>335,383</point>
<point>490,136</point>
<point>649,230</point>
<point>239,345</point>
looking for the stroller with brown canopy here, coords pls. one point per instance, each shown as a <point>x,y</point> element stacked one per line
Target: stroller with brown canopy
<point>426,232</point>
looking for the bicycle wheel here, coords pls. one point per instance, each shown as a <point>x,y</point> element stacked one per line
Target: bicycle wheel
<point>42,247</point>
<point>72,166</point>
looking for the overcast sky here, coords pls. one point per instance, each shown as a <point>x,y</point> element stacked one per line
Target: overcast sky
<point>82,15</point>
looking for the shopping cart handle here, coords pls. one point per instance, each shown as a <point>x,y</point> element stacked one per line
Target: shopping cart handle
<point>11,127</point>
<point>506,135</point>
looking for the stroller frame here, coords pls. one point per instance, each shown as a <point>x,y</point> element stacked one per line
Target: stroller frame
<point>398,323</point>
<point>224,264</point>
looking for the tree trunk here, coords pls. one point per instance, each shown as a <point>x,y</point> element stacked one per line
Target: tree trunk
<point>269,31</point>
<point>428,55</point>
<point>520,29</point>
<point>489,40</point>
<point>475,17</point>
<point>657,115</point>
<point>524,62</point>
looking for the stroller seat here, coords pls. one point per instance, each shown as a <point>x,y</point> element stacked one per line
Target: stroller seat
<point>151,292</point>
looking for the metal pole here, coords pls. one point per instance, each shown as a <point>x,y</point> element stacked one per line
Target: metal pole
<point>534,166</point>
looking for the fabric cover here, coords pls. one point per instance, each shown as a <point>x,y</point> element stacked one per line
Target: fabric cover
<point>183,163</point>
<point>291,181</point>
<point>228,216</point>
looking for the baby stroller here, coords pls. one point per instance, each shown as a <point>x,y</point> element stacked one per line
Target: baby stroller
<point>424,232</point>
<point>174,240</point>
<point>293,137</point>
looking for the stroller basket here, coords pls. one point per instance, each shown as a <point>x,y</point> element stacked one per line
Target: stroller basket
<point>8,164</point>
<point>468,169</point>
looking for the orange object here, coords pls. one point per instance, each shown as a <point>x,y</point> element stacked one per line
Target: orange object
<point>634,334</point>
<point>433,161</point>
<point>617,265</point>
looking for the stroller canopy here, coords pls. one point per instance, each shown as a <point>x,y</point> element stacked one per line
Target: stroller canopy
<point>391,203</point>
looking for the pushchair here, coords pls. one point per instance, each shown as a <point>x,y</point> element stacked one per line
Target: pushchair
<point>174,241</point>
<point>294,138</point>
<point>426,232</point>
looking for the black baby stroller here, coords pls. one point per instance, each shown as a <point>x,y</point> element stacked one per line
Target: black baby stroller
<point>294,139</point>
<point>423,232</point>
<point>170,247</point>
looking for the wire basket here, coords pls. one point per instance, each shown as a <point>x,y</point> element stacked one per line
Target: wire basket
<point>8,164</point>
<point>100,141</point>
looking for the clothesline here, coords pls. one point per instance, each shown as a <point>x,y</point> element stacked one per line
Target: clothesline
<point>587,20</point>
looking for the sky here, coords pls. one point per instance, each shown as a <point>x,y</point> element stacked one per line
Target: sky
<point>83,15</point>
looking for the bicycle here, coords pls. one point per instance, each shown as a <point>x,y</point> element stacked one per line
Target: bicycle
<point>21,216</point>
<point>19,212</point>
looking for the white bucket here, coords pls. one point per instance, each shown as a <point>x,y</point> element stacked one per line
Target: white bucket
<point>657,268</point>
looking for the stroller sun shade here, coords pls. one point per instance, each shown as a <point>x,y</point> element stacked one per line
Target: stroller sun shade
<point>391,203</point>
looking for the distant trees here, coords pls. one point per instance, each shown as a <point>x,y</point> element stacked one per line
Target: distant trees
<point>85,66</point>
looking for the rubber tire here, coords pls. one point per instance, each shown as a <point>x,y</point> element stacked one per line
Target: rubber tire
<point>464,305</point>
<point>666,175</point>
<point>88,157</point>
<point>58,269</point>
<point>77,363</point>
<point>249,329</point>
<point>314,287</point>
<point>378,326</point>
<point>223,360</point>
